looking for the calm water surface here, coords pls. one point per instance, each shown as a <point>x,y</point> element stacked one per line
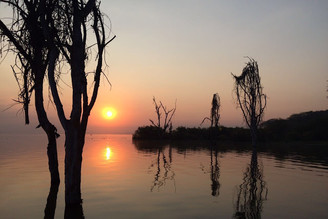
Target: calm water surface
<point>125,179</point>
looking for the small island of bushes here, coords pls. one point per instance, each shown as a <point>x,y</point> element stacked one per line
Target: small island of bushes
<point>307,126</point>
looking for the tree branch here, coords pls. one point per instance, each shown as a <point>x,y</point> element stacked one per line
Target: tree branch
<point>53,86</point>
<point>7,33</point>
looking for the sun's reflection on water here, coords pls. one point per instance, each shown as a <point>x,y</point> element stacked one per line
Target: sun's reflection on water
<point>108,153</point>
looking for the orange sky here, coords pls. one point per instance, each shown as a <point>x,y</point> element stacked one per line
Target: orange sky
<point>186,51</point>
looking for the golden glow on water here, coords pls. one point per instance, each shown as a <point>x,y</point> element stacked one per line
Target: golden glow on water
<point>108,153</point>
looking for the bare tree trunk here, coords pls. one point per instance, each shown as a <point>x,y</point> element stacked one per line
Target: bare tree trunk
<point>73,211</point>
<point>49,129</point>
<point>52,157</point>
<point>254,136</point>
<point>50,209</point>
<point>73,147</point>
<point>73,166</point>
<point>253,130</point>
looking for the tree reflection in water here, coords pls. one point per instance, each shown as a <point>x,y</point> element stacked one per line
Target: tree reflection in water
<point>71,211</point>
<point>214,170</point>
<point>163,168</point>
<point>215,173</point>
<point>252,192</point>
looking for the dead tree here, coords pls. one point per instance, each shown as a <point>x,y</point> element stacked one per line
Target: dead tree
<point>24,37</point>
<point>158,113</point>
<point>61,34</point>
<point>250,97</point>
<point>215,111</point>
<point>168,115</point>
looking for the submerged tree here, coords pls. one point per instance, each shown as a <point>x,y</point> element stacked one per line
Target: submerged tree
<point>250,97</point>
<point>50,209</point>
<point>215,111</point>
<point>26,39</point>
<point>168,115</point>
<point>48,36</point>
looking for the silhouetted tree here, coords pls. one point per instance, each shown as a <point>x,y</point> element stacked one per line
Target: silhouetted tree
<point>158,113</point>
<point>26,39</point>
<point>168,115</point>
<point>252,192</point>
<point>250,97</point>
<point>46,36</point>
<point>215,111</point>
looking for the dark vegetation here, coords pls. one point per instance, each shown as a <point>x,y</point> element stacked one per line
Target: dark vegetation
<point>308,126</point>
<point>183,133</point>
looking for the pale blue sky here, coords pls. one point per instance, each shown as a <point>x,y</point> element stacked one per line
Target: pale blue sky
<point>186,50</point>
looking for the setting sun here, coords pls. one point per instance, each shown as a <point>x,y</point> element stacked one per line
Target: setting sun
<point>109,113</point>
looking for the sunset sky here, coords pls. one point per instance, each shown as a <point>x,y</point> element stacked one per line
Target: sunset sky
<point>186,50</point>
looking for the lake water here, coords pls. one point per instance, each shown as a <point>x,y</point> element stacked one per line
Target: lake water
<point>126,179</point>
